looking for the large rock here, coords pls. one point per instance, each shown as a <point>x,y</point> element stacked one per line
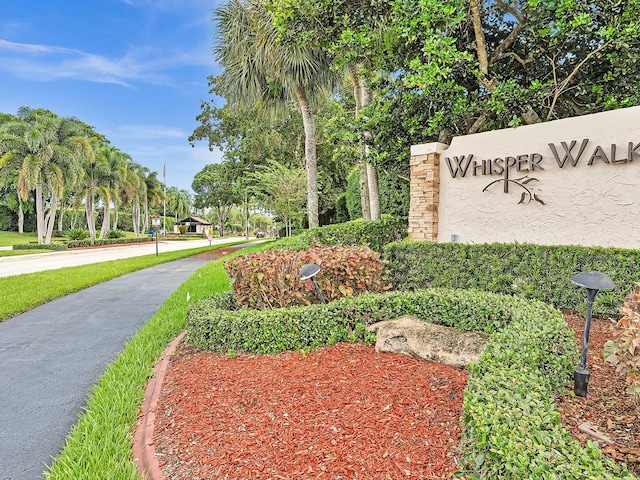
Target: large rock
<point>414,337</point>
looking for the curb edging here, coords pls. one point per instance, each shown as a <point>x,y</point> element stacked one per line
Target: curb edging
<point>143,449</point>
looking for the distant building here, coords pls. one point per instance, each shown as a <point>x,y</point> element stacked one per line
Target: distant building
<point>193,224</point>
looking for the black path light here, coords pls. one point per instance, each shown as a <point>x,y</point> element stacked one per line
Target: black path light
<point>593,282</point>
<point>309,271</point>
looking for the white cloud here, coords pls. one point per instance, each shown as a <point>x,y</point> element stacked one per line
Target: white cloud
<point>46,63</point>
<point>146,132</point>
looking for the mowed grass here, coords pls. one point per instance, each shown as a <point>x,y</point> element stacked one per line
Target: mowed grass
<point>24,292</point>
<point>13,253</point>
<point>15,238</point>
<point>99,445</point>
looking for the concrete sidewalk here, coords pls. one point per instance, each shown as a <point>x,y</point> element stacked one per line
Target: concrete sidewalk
<point>20,264</point>
<point>52,355</point>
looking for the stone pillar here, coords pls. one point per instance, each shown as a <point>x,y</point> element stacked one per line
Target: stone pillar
<point>425,191</point>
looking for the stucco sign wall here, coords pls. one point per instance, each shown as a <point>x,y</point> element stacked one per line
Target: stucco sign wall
<point>571,181</point>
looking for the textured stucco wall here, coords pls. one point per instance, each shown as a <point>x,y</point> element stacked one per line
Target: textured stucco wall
<point>585,204</point>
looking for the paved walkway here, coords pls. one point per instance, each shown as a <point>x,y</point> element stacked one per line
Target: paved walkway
<point>52,355</point>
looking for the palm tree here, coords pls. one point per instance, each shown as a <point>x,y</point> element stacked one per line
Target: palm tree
<point>48,150</point>
<point>258,69</point>
<point>178,202</point>
<point>153,194</point>
<point>134,190</point>
<point>112,164</point>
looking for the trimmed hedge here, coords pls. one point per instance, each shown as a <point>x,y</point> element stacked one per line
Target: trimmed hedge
<point>81,243</point>
<point>511,427</point>
<point>38,246</point>
<point>107,241</point>
<point>531,271</point>
<point>375,233</point>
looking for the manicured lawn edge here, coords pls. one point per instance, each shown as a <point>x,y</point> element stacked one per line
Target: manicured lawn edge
<point>99,445</point>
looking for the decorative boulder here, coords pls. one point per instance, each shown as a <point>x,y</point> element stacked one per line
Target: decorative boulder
<point>434,343</point>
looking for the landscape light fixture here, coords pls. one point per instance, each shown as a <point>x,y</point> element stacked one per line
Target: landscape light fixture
<point>593,282</point>
<point>309,271</point>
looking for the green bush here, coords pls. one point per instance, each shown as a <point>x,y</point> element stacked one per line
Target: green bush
<point>394,194</point>
<point>531,271</point>
<point>77,234</point>
<point>376,234</point>
<point>213,325</point>
<point>511,427</point>
<point>115,234</point>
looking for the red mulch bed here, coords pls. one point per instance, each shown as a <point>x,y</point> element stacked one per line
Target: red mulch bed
<point>607,406</point>
<point>341,412</point>
<point>344,412</point>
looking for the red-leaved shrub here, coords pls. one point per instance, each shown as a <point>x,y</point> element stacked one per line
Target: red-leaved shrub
<point>270,279</point>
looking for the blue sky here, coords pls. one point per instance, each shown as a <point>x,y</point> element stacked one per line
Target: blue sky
<point>135,70</point>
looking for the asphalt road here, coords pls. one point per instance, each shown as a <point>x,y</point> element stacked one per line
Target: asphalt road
<point>51,356</point>
<point>47,261</point>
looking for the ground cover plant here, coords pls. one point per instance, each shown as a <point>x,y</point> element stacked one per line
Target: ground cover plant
<point>99,445</point>
<point>23,292</point>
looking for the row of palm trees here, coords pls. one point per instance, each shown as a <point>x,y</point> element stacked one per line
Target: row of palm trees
<point>65,164</point>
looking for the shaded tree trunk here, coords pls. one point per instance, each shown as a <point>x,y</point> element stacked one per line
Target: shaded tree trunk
<point>311,164</point>
<point>369,192</point>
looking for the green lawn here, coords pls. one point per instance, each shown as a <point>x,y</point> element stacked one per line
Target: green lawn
<point>15,238</point>
<point>14,253</point>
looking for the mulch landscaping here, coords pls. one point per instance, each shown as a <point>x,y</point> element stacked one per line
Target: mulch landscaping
<point>344,413</point>
<point>340,412</point>
<point>607,408</point>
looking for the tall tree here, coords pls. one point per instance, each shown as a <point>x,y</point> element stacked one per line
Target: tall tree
<point>282,190</point>
<point>216,188</point>
<point>258,69</point>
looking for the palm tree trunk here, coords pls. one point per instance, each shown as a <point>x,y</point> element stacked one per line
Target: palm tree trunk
<point>145,220</point>
<point>61,217</point>
<point>91,221</point>
<point>311,162</point>
<point>20,215</point>
<point>39,213</point>
<point>50,220</point>
<point>115,214</point>
<point>106,220</point>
